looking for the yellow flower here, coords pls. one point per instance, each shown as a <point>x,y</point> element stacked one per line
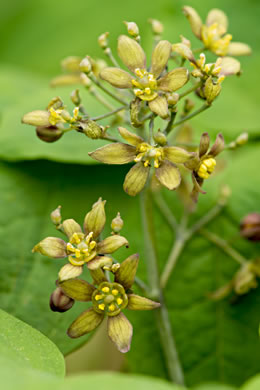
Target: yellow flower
<point>148,85</point>
<point>144,155</point>
<point>108,299</point>
<point>83,247</point>
<point>213,33</point>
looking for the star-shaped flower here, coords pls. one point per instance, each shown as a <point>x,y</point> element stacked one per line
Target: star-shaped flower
<point>152,84</point>
<point>143,154</point>
<point>108,300</point>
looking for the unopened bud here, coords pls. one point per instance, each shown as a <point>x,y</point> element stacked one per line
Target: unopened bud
<point>85,80</point>
<point>59,301</point>
<point>184,51</point>
<point>115,267</point>
<point>211,90</point>
<point>225,193</point>
<point>160,138</point>
<point>242,139</point>
<point>49,133</point>
<point>245,280</point>
<point>103,41</point>
<point>36,118</point>
<point>172,98</point>
<point>117,223</point>
<point>85,65</point>
<point>55,103</point>
<point>185,41</point>
<point>65,79</point>
<point>91,129</point>
<point>56,216</point>
<point>188,106</point>
<point>75,97</point>
<point>157,27</point>
<point>71,64</point>
<point>65,115</point>
<point>250,227</point>
<point>132,29</point>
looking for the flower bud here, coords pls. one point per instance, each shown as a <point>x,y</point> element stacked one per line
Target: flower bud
<point>188,106</point>
<point>211,90</point>
<point>132,29</point>
<point>56,216</point>
<point>37,118</point>
<point>49,133</point>
<point>242,139</point>
<point>75,97</point>
<point>71,64</point>
<point>184,51</point>
<point>91,129</point>
<point>194,20</point>
<point>117,223</point>
<point>85,65</point>
<point>59,301</point>
<point>65,79</point>
<point>250,227</point>
<point>85,80</point>
<point>172,98</point>
<point>157,27</point>
<point>160,138</point>
<point>103,41</point>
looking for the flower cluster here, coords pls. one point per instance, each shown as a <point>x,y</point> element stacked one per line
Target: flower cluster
<point>108,298</point>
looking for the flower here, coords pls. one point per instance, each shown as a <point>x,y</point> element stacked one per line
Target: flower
<point>204,163</point>
<point>108,299</point>
<point>213,33</point>
<point>151,85</point>
<point>83,247</point>
<point>164,160</point>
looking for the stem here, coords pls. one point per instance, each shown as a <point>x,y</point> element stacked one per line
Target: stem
<point>109,53</point>
<point>100,98</point>
<point>165,210</point>
<point>141,284</point>
<point>151,127</point>
<point>186,118</point>
<point>170,123</point>
<point>107,91</point>
<point>199,50</point>
<point>162,317</point>
<point>223,244</point>
<point>98,118</point>
<point>191,89</point>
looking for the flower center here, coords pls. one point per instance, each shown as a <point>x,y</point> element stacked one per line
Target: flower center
<point>81,248</point>
<point>146,153</point>
<point>145,85</point>
<point>109,298</point>
<point>206,168</point>
<point>212,38</point>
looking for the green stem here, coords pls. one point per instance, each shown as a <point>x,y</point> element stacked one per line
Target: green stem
<point>170,123</point>
<point>163,323</point>
<point>165,210</point>
<point>100,98</point>
<point>223,244</point>
<point>107,91</point>
<point>98,118</point>
<point>191,89</point>
<point>195,113</point>
<point>109,53</point>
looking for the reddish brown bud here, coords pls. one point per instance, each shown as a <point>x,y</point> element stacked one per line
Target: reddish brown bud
<point>60,302</point>
<point>250,227</point>
<point>49,133</point>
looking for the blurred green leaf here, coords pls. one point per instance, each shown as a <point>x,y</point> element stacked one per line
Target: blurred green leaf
<point>252,384</point>
<point>26,347</point>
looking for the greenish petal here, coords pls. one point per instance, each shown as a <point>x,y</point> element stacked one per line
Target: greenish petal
<point>135,302</point>
<point>117,153</point>
<point>204,144</point>
<point>239,49</point>
<point>37,118</point>
<point>176,155</point>
<point>173,80</point>
<point>85,323</point>
<point>194,20</point>
<point>120,331</point>
<point>130,137</point>
<point>218,146</point>
<point>160,57</point>
<point>159,106</point>
<point>184,51</point>
<point>99,262</point>
<point>217,16</point>
<point>136,178</point>
<point>229,66</point>
<point>168,175</point>
<point>77,289</point>
<point>70,227</point>
<point>116,77</point>
<point>95,220</point>
<point>111,244</point>
<point>125,275</point>
<point>52,247</point>
<point>131,53</point>
<point>98,276</point>
<point>69,271</point>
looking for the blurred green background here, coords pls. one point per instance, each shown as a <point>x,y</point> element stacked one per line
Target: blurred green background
<point>36,36</point>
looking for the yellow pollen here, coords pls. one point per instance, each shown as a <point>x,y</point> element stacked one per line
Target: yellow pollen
<point>119,301</point>
<point>147,91</point>
<point>105,289</point>
<point>114,292</point>
<point>206,168</point>
<point>111,307</point>
<point>101,306</point>
<point>98,297</point>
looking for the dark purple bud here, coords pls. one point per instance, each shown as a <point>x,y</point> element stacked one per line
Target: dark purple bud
<point>250,227</point>
<point>60,302</point>
<point>49,133</point>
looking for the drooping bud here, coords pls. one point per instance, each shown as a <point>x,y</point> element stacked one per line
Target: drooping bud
<point>117,224</point>
<point>36,118</point>
<point>56,216</point>
<point>59,301</point>
<point>160,138</point>
<point>85,80</point>
<point>49,133</point>
<point>242,139</point>
<point>71,64</point>
<point>85,65</point>
<point>132,29</point>
<point>91,129</point>
<point>211,90</point>
<point>250,227</point>
<point>157,27</point>
<point>103,41</point>
<point>55,103</point>
<point>75,97</point>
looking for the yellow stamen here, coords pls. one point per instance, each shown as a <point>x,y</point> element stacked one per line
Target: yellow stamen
<point>119,301</point>
<point>114,292</point>
<point>101,306</point>
<point>98,297</point>
<point>111,307</point>
<point>105,289</point>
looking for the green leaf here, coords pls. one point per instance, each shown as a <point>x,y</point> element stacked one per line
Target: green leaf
<point>26,347</point>
<point>252,384</point>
